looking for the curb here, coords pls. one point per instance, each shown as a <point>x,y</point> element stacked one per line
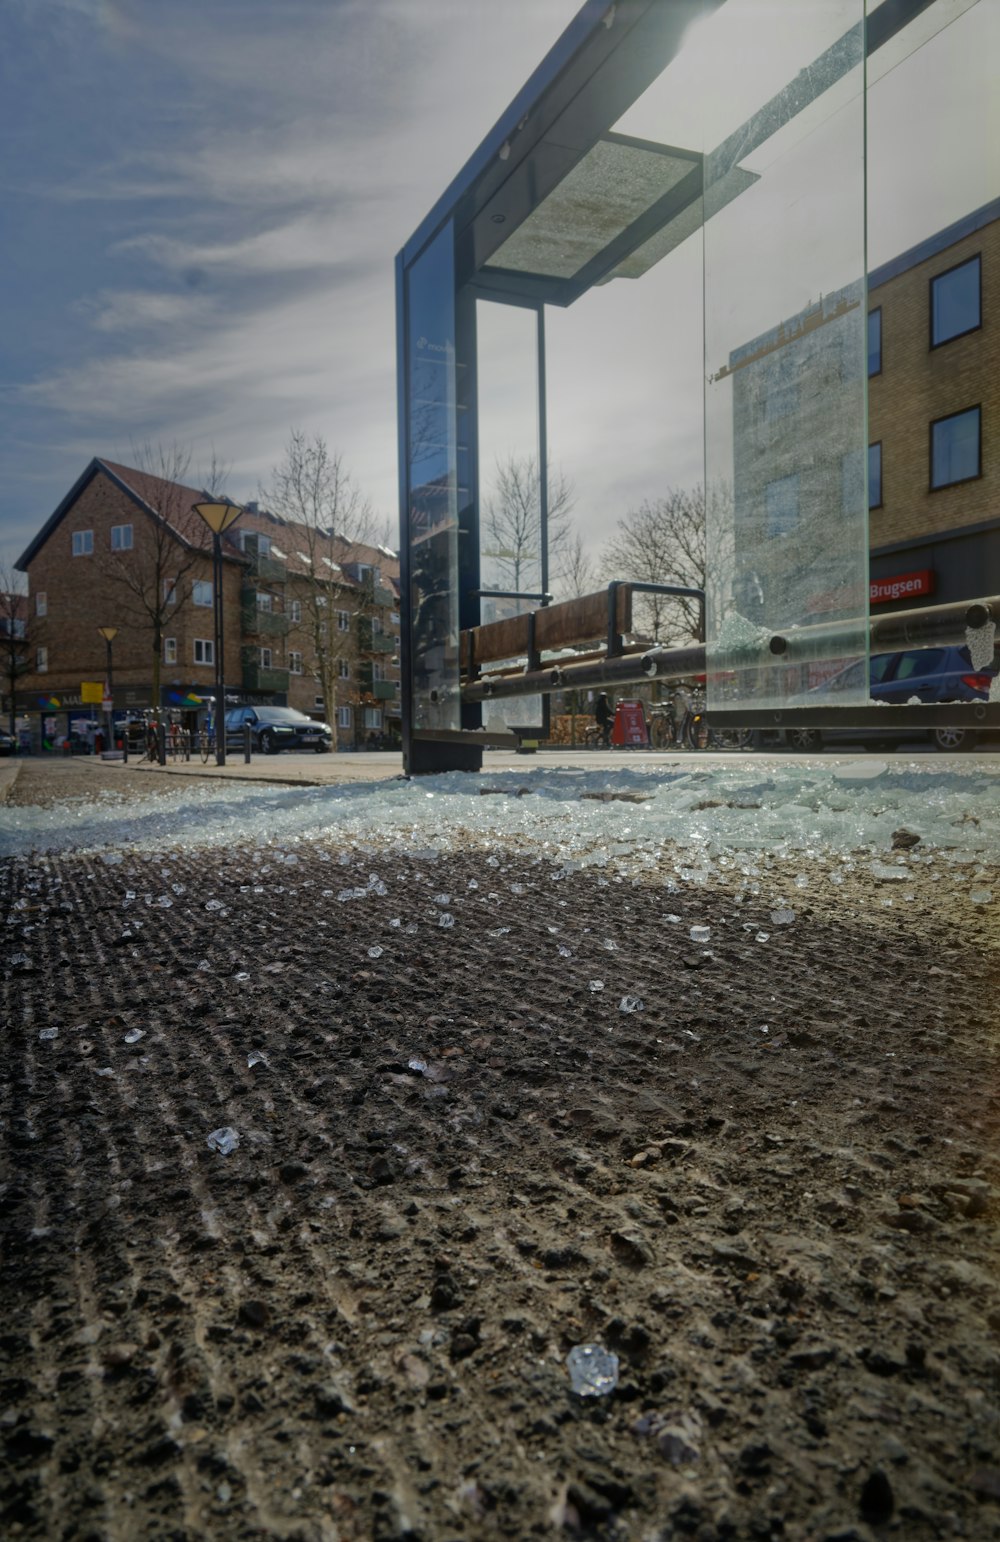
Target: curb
<point>8,776</point>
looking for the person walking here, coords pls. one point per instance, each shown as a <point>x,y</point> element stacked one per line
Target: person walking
<point>604,714</point>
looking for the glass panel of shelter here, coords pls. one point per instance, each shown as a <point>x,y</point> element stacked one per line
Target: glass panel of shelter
<point>768,118</point>
<point>512,556</point>
<point>433,484</point>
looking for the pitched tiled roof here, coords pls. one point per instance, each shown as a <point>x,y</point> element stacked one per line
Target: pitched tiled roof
<point>173,502</point>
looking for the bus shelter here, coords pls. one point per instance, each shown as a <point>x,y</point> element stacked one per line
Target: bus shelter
<point>781,146</point>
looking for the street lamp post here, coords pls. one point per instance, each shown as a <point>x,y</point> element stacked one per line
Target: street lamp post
<point>109,633</point>
<point>218,517</point>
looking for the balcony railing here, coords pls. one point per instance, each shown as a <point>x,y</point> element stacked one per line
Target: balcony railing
<point>370,641</point>
<point>269,570</point>
<point>255,622</point>
<point>258,677</point>
<point>384,690</point>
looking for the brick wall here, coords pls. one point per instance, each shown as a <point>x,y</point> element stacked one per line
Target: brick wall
<point>919,384</point>
<point>81,595</point>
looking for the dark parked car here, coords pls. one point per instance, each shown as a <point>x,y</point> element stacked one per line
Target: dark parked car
<point>8,744</point>
<point>927,674</point>
<point>279,728</point>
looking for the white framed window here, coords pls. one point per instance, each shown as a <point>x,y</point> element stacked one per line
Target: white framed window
<point>343,621</point>
<point>373,717</point>
<point>264,601</point>
<point>264,545</point>
<point>295,663</point>
<point>376,626</point>
<point>41,603</point>
<point>201,591</point>
<point>319,705</point>
<point>378,672</point>
<point>265,658</point>
<point>41,660</point>
<point>344,669</point>
<point>170,591</point>
<point>295,611</point>
<point>204,650</point>
<point>121,537</point>
<point>394,618</point>
<point>343,717</point>
<point>83,543</point>
<point>170,650</point>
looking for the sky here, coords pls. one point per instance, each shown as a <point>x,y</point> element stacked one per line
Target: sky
<point>202,202</point>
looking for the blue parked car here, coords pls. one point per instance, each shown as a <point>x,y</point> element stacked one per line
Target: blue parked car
<point>930,674</point>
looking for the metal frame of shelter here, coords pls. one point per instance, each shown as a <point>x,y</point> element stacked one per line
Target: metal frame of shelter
<point>496,234</point>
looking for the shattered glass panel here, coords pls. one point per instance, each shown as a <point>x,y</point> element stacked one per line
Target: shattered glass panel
<point>785,357</point>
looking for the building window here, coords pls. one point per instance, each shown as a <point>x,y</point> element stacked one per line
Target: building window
<point>170,591</point>
<point>264,601</point>
<point>373,717</point>
<point>781,500</point>
<point>343,621</point>
<point>295,611</point>
<point>83,543</point>
<point>204,651</point>
<point>170,650</point>
<point>344,669</point>
<point>956,302</point>
<point>121,537</point>
<point>263,545</point>
<point>343,717</point>
<point>201,591</point>
<point>319,705</point>
<point>295,663</point>
<point>41,660</point>
<point>41,603</point>
<point>394,618</point>
<point>955,448</point>
<point>875,475</point>
<point>875,342</point>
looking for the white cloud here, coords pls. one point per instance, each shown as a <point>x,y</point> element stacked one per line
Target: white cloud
<point>139,310</point>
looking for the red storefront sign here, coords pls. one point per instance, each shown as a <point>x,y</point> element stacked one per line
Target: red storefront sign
<point>630,724</point>
<point>903,586</point>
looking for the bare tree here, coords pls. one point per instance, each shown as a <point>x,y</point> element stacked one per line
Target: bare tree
<point>576,573</point>
<point>663,542</point>
<point>172,544</point>
<point>512,521</point>
<point>19,635</point>
<point>313,489</point>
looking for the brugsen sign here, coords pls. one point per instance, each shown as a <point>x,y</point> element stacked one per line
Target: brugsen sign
<point>901,587</point>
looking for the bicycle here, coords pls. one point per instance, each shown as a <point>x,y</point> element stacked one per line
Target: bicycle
<point>206,745</point>
<point>702,736</point>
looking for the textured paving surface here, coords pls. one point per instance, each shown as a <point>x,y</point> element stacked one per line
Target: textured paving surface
<point>456,1161</point>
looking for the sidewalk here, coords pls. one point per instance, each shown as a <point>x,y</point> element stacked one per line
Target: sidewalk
<point>311,770</point>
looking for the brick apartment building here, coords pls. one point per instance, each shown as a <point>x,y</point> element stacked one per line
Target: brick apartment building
<point>124,549</point>
<point>934,417</point>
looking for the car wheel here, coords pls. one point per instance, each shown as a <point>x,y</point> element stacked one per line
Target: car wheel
<point>953,739</point>
<point>268,743</point>
<point>802,738</point>
<point>321,748</point>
